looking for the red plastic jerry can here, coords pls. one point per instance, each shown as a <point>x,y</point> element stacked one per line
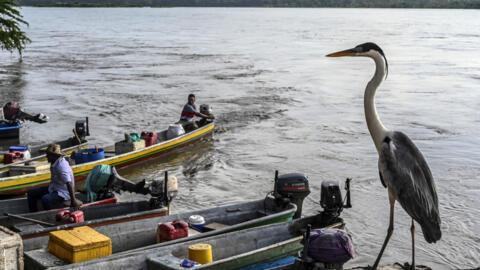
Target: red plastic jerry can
<point>172,230</point>
<point>149,137</point>
<point>76,217</point>
<point>12,157</point>
<point>65,217</point>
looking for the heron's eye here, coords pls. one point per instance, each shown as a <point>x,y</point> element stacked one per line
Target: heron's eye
<point>358,49</point>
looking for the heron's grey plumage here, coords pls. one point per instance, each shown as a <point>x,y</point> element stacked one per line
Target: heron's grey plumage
<point>402,167</point>
<point>407,175</point>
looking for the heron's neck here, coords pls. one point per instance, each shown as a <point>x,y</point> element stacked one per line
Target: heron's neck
<point>375,126</point>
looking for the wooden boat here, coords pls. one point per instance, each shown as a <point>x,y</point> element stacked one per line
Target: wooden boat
<point>99,213</point>
<point>37,152</point>
<point>20,205</point>
<point>21,183</point>
<point>95,216</point>
<point>257,245</point>
<point>232,250</point>
<point>141,234</point>
<point>9,130</point>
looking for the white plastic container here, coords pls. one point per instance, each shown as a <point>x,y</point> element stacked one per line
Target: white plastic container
<point>174,130</point>
<point>23,149</point>
<point>197,222</point>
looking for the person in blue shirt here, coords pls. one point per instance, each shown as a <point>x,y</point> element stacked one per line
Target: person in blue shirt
<point>61,186</point>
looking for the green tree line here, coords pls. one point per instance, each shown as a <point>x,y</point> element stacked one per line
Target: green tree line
<point>470,4</point>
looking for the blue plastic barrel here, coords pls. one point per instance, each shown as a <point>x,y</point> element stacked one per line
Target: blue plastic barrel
<point>17,148</point>
<point>89,155</point>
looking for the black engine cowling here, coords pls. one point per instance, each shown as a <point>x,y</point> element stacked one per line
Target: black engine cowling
<point>292,187</point>
<point>81,128</point>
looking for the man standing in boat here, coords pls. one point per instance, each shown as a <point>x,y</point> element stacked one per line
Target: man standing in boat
<point>189,112</point>
<point>61,186</point>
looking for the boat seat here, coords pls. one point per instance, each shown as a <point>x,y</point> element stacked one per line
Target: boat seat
<point>27,226</point>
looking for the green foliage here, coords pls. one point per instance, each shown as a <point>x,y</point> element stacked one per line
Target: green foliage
<point>11,36</point>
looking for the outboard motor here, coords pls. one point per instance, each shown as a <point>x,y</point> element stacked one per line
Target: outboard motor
<point>81,128</point>
<point>327,248</point>
<point>207,110</point>
<point>162,192</point>
<point>292,187</point>
<point>331,197</point>
<point>11,110</point>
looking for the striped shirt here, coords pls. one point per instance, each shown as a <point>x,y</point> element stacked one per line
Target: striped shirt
<point>188,113</point>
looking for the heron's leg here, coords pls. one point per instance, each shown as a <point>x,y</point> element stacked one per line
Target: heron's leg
<point>412,230</point>
<point>389,232</point>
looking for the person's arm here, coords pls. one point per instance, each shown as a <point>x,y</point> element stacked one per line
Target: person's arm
<point>66,175</point>
<point>199,114</point>
<point>73,201</point>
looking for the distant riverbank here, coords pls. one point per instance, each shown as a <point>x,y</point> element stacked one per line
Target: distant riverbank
<point>461,4</point>
<point>84,5</point>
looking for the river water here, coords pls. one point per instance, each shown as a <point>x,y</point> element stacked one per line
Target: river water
<point>280,104</point>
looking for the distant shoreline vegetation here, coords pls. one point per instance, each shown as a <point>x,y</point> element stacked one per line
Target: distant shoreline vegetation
<point>86,5</point>
<point>459,4</point>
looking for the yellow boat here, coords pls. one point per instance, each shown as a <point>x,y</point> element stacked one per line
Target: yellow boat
<point>19,184</point>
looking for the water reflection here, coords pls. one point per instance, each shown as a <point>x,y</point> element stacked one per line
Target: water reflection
<point>12,82</point>
<point>185,161</point>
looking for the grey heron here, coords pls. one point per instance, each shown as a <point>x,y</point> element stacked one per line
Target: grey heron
<point>402,167</point>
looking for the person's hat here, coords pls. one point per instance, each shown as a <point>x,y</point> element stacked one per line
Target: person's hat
<point>54,149</point>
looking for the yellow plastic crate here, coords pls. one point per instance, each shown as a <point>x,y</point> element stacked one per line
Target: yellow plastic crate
<point>79,244</point>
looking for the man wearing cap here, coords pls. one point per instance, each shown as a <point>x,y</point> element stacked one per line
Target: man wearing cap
<point>61,186</point>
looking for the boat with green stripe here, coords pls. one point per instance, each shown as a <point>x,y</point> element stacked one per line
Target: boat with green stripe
<point>140,236</point>
<point>232,249</point>
<point>11,184</point>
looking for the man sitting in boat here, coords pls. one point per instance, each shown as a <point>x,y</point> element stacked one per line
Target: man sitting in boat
<point>61,186</point>
<point>189,112</point>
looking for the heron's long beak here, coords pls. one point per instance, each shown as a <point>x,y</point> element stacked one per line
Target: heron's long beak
<point>349,52</point>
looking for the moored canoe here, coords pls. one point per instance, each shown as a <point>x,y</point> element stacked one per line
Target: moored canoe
<point>231,250</point>
<point>140,236</point>
<point>98,213</point>
<point>37,152</point>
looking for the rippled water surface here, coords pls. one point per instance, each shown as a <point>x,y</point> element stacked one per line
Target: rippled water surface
<point>280,104</point>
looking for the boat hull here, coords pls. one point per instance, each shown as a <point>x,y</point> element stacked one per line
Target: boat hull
<point>20,205</point>
<point>21,184</point>
<point>140,236</point>
<point>232,250</point>
<point>11,132</point>
<point>37,154</point>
